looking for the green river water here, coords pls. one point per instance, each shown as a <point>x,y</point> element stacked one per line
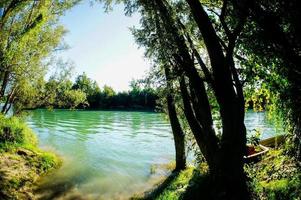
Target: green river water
<point>108,154</point>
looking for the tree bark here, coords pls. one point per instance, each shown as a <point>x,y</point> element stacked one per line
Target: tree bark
<point>196,128</point>
<point>178,134</point>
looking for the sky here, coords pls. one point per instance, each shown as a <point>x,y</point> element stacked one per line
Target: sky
<point>101,45</point>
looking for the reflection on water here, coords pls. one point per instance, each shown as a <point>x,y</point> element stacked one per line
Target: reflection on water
<point>108,154</point>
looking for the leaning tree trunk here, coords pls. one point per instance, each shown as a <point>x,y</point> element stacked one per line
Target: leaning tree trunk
<point>178,134</point>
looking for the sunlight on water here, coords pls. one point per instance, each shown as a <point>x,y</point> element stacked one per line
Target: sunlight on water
<point>108,154</point>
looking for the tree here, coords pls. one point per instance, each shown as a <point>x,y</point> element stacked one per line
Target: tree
<point>108,91</point>
<point>28,34</point>
<point>167,40</point>
<point>58,91</point>
<point>73,98</point>
<point>107,96</point>
<point>229,94</point>
<point>90,88</point>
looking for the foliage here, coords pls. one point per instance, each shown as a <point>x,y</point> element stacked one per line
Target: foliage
<point>29,33</point>
<point>73,98</point>
<point>14,133</point>
<point>254,137</point>
<point>257,98</point>
<point>89,87</point>
<point>277,176</point>
<point>269,53</point>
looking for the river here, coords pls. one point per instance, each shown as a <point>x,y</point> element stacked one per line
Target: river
<point>108,154</point>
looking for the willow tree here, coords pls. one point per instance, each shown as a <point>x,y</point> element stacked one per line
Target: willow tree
<point>165,36</point>
<point>159,49</point>
<point>29,33</point>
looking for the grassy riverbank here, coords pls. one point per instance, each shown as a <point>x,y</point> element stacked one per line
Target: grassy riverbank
<point>21,161</point>
<point>276,177</point>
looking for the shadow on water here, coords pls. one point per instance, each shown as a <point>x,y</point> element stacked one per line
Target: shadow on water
<point>55,190</point>
<point>60,188</point>
<point>63,183</point>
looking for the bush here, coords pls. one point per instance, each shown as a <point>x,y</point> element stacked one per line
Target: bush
<point>276,177</point>
<point>14,132</point>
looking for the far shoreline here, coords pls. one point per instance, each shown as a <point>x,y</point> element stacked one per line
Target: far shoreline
<point>111,109</point>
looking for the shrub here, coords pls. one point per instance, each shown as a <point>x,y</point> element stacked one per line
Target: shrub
<point>14,133</point>
<point>276,177</point>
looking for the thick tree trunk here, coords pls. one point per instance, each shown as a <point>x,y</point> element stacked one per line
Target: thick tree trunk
<point>227,170</point>
<point>178,134</point>
<point>228,174</point>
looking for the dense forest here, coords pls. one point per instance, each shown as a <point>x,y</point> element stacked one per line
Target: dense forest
<point>212,60</point>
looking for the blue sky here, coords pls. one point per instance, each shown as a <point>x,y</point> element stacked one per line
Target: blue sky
<point>102,46</point>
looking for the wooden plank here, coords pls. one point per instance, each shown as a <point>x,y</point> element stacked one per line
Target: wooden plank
<point>273,141</point>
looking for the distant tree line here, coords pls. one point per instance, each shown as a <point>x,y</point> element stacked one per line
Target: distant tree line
<point>60,92</point>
